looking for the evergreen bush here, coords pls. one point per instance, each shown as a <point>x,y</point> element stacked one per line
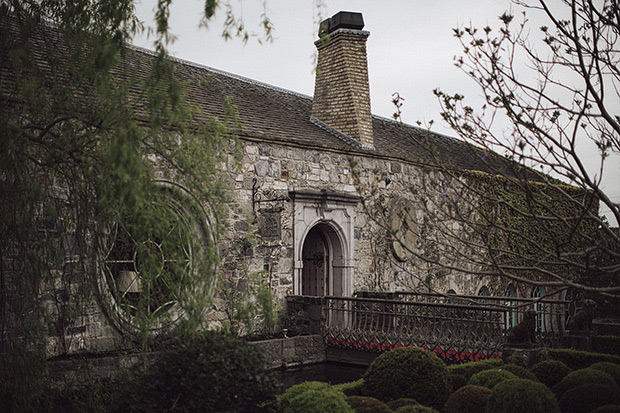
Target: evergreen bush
<point>471,368</point>
<point>398,403</point>
<point>284,400</point>
<point>326,400</point>
<point>468,399</point>
<point>458,381</point>
<point>415,409</point>
<point>610,368</point>
<point>550,372</point>
<point>210,371</point>
<point>353,388</point>
<point>408,372</point>
<point>583,376</point>
<point>588,397</point>
<point>519,371</point>
<point>490,378</point>
<point>521,396</point>
<point>362,404</point>
<point>580,359</point>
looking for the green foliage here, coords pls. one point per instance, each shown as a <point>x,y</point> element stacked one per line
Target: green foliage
<point>362,404</point>
<point>465,367</point>
<point>610,368</point>
<point>313,397</point>
<point>468,399</point>
<point>415,409</point>
<point>408,372</point>
<point>520,372</point>
<point>583,376</point>
<point>205,372</point>
<point>575,359</point>
<point>588,397</point>
<point>398,403</point>
<point>490,378</point>
<point>550,372</point>
<point>606,344</point>
<point>458,381</point>
<point>353,388</point>
<point>521,396</point>
<point>608,408</point>
<point>22,377</point>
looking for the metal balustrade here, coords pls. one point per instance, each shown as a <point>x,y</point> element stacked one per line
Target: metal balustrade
<point>454,327</point>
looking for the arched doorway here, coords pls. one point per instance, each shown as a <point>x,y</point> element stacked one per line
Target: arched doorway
<point>315,256</point>
<point>323,270</point>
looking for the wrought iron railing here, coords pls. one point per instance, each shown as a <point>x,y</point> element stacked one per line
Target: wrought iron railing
<point>454,327</point>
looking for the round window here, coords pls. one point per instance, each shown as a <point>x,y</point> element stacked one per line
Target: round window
<point>154,261</point>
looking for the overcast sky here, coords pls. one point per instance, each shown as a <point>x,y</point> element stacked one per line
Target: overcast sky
<point>410,49</point>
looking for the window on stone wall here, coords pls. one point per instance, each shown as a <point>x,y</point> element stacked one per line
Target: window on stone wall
<point>510,316</point>
<point>538,292</point>
<point>484,292</point>
<point>151,262</point>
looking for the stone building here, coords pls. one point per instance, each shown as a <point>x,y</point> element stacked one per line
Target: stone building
<point>311,172</point>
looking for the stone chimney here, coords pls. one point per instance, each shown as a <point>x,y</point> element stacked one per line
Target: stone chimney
<point>341,92</point>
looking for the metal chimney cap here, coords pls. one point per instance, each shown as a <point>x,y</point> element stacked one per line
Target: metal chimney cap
<point>342,20</point>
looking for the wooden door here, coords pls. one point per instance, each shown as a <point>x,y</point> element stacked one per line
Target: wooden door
<point>315,255</point>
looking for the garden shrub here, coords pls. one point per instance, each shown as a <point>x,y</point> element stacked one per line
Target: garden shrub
<point>519,371</point>
<point>210,371</point>
<point>325,400</point>
<point>521,396</point>
<point>606,344</point>
<point>610,368</point>
<point>284,399</point>
<point>468,399</point>
<point>398,403</point>
<point>588,397</point>
<point>353,388</point>
<point>362,404</point>
<point>550,372</point>
<point>490,378</point>
<point>608,408</point>
<point>463,368</point>
<point>580,359</point>
<point>458,381</point>
<point>415,409</point>
<point>408,372</point>
<point>583,376</point>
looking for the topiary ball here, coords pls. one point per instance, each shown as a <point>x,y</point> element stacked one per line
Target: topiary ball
<point>520,372</point>
<point>284,400</point>
<point>325,400</point>
<point>490,378</point>
<point>582,376</point>
<point>550,372</point>
<point>408,372</point>
<point>611,368</point>
<point>363,404</point>
<point>353,388</point>
<point>398,403</point>
<point>477,368</point>
<point>458,381</point>
<point>520,396</point>
<point>588,397</point>
<point>468,399</point>
<point>415,409</point>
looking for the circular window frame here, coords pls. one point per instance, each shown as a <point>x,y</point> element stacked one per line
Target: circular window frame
<point>199,220</point>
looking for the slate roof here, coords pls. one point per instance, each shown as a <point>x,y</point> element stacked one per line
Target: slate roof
<point>279,115</point>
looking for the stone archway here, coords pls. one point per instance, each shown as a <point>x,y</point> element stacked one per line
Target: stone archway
<point>323,242</point>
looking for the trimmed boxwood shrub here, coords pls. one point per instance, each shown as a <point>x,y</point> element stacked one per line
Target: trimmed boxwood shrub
<point>520,396</point>
<point>588,397</point>
<point>610,368</point>
<point>353,388</point>
<point>583,376</point>
<point>325,400</point>
<point>580,359</point>
<point>490,378</point>
<point>468,399</point>
<point>606,344</point>
<point>284,400</point>
<point>363,404</point>
<point>408,372</point>
<point>415,409</point>
<point>550,372</point>
<point>395,404</point>
<point>458,381</point>
<point>472,365</point>
<point>210,371</point>
<point>520,372</point>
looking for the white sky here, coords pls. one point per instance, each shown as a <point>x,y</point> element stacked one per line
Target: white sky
<point>410,49</point>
